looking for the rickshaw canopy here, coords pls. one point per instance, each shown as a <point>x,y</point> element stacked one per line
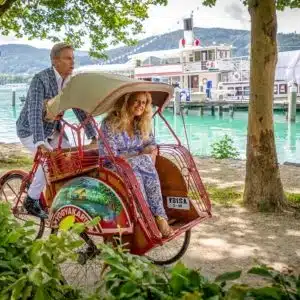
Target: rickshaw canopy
<point>97,92</point>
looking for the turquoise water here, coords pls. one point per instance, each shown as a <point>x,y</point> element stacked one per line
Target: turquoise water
<point>202,130</point>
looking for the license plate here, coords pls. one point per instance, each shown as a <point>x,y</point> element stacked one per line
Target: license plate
<point>178,203</point>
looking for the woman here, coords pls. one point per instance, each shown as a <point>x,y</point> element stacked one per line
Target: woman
<point>127,129</point>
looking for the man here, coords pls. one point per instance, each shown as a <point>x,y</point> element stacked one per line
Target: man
<point>37,133</point>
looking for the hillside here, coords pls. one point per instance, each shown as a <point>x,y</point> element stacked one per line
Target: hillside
<point>20,59</point>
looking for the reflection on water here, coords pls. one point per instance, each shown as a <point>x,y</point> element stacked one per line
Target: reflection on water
<point>202,131</point>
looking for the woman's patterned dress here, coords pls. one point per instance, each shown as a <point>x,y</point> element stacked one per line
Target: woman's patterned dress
<point>122,144</point>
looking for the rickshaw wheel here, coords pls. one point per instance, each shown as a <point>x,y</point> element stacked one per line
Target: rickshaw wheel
<point>9,192</point>
<point>85,271</point>
<point>171,251</point>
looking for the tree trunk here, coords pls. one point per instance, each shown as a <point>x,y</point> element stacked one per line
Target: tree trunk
<point>263,187</point>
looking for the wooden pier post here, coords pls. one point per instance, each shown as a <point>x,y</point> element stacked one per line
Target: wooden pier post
<point>292,100</point>
<point>212,110</point>
<point>201,110</point>
<point>176,107</point>
<point>231,111</point>
<point>13,98</point>
<point>220,110</point>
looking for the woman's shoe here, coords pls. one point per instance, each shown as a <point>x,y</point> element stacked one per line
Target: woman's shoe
<point>163,226</point>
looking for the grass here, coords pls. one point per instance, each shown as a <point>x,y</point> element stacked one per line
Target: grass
<point>293,198</point>
<point>15,161</point>
<point>231,196</point>
<point>225,196</point>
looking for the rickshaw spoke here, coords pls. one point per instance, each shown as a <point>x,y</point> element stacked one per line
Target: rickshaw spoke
<point>170,251</point>
<point>12,189</point>
<point>85,271</point>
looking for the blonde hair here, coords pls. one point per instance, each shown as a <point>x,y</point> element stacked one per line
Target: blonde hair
<point>118,118</point>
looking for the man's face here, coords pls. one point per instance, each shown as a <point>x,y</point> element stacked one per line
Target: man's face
<point>64,63</point>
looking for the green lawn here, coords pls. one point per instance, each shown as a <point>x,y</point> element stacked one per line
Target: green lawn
<point>231,196</point>
<point>15,162</point>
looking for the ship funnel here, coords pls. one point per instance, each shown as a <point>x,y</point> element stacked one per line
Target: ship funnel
<point>188,31</point>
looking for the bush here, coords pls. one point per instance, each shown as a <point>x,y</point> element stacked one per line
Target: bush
<point>134,277</point>
<point>224,149</point>
<point>29,270</point>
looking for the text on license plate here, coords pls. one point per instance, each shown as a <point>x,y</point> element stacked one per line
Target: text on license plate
<point>178,202</point>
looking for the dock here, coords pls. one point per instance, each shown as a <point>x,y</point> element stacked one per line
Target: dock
<point>199,107</point>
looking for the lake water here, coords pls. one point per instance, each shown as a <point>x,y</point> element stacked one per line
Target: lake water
<point>202,130</point>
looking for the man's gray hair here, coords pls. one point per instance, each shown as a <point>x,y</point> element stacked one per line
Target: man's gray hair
<point>57,48</point>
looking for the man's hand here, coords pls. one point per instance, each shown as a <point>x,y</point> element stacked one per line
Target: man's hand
<point>94,141</point>
<point>44,149</point>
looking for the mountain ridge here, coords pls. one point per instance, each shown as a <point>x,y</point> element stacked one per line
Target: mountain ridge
<point>22,59</point>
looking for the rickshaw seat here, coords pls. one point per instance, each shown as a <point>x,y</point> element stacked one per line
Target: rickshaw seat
<point>68,163</point>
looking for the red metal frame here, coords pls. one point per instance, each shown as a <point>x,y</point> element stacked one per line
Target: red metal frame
<point>78,160</point>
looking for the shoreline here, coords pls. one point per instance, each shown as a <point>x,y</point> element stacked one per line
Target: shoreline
<point>13,148</point>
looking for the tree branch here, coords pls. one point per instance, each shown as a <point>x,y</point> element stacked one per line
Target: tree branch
<point>6,6</point>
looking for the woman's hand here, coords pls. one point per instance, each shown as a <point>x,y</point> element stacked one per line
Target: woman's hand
<point>149,149</point>
<point>152,151</point>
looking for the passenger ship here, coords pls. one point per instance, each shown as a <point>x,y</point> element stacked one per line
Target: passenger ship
<point>205,72</point>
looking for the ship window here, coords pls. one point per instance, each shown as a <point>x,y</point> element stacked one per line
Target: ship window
<point>191,58</point>
<point>211,55</point>
<point>275,89</point>
<point>197,56</point>
<point>282,88</point>
<point>246,90</point>
<point>239,91</point>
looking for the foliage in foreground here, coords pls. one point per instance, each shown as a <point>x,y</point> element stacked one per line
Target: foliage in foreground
<point>224,148</point>
<point>29,270</point>
<point>132,277</point>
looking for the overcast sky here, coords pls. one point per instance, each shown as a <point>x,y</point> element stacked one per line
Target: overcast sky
<point>226,14</point>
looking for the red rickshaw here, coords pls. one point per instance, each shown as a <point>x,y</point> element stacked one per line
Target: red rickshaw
<point>80,186</point>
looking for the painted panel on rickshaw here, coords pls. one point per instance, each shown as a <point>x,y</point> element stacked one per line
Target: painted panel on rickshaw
<point>94,197</point>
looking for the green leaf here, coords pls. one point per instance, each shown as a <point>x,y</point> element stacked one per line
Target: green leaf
<point>261,271</point>
<point>5,266</point>
<point>128,290</point>
<point>93,222</point>
<point>17,288</point>
<point>27,292</point>
<point>267,293</point>
<point>210,290</point>
<point>13,237</point>
<point>35,251</point>
<point>229,276</point>
<point>47,263</point>
<point>67,223</point>
<point>40,294</point>
<point>237,292</point>
<point>35,276</point>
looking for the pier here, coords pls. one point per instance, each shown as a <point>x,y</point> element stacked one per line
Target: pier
<point>218,107</point>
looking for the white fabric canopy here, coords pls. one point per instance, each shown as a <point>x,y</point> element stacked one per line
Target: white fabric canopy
<point>97,92</point>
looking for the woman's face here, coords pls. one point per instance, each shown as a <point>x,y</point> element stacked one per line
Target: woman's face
<point>137,104</point>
